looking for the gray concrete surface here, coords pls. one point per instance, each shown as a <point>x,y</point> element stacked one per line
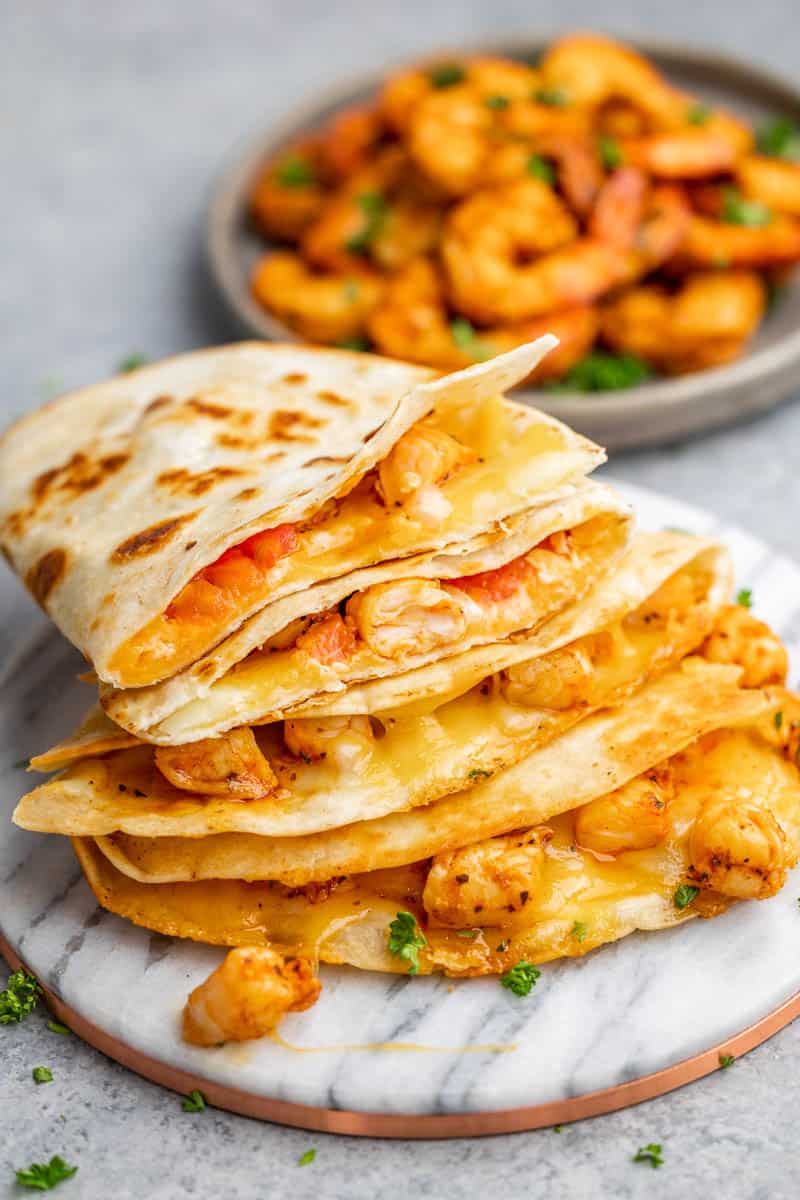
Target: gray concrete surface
<point>115,118</point>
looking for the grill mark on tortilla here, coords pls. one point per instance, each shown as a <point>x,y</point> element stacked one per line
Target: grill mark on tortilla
<point>45,574</point>
<point>276,456</point>
<point>295,377</point>
<point>333,398</point>
<point>284,425</point>
<point>181,480</point>
<point>159,402</point>
<point>78,474</point>
<point>149,540</point>
<point>220,412</point>
<point>315,462</point>
<point>248,494</point>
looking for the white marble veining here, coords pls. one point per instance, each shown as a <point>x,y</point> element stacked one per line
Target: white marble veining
<point>645,1003</point>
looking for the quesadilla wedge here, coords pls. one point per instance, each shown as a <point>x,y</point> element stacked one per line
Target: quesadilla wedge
<point>314,774</point>
<point>709,825</point>
<point>387,619</point>
<point>152,514</point>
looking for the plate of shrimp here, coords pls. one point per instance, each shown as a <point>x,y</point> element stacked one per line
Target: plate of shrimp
<point>642,203</point>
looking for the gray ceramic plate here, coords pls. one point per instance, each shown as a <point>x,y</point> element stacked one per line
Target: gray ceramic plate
<point>654,412</point>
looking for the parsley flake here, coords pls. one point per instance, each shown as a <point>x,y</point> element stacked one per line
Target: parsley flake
<point>194,1102</point>
<point>479,773</point>
<point>555,97</point>
<point>780,139</point>
<point>651,1153</point>
<point>447,75</point>
<point>467,933</point>
<point>699,114</point>
<point>778,719</point>
<point>374,208</point>
<point>602,372</point>
<point>579,931</point>
<point>736,210</point>
<point>131,362</point>
<point>497,103</point>
<point>609,151</point>
<point>557,1128</point>
<point>357,342</point>
<point>406,939</point>
<point>57,1027</point>
<point>726,1060</point>
<point>521,978</point>
<point>464,336</point>
<point>684,895</point>
<point>21,764</point>
<point>44,1176</point>
<point>19,998</point>
<point>307,1158</point>
<point>295,173</point>
<point>42,1075</point>
<point>745,598</point>
<point>540,168</point>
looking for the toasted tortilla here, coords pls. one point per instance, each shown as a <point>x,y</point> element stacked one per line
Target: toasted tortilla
<point>114,497</point>
<point>238,684</point>
<point>581,901</point>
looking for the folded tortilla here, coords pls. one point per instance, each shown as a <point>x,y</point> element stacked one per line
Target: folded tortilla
<point>114,499</point>
<point>238,683</point>
<point>579,901</point>
<point>660,607</point>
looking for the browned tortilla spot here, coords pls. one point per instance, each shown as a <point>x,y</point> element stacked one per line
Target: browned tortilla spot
<point>315,462</point>
<point>295,377</point>
<point>248,494</point>
<point>332,398</point>
<point>276,456</point>
<point>284,425</point>
<point>218,411</point>
<point>79,474</point>
<point>45,574</point>
<point>180,480</point>
<point>149,540</point>
<point>159,402</point>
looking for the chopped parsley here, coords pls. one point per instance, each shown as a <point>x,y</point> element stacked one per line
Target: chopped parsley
<point>19,998</point>
<point>194,1102</point>
<point>540,168</point>
<point>684,895</point>
<point>356,342</point>
<point>406,939</point>
<point>778,719</point>
<point>374,208</point>
<point>521,978</point>
<point>555,97</point>
<point>44,1176</point>
<point>579,931</point>
<point>497,103</point>
<point>557,1128</point>
<point>726,1060</point>
<point>744,597</point>
<point>699,114</point>
<point>131,362</point>
<point>609,151</point>
<point>479,773</point>
<point>464,336</point>
<point>651,1153</point>
<point>307,1158</point>
<point>446,75</point>
<point>736,210</point>
<point>21,764</point>
<point>42,1075</point>
<point>780,139</point>
<point>601,372</point>
<point>295,173</point>
<point>468,933</point>
<point>57,1027</point>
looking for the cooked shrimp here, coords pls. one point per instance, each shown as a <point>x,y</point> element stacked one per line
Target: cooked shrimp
<point>424,456</point>
<point>230,765</point>
<point>290,192</point>
<point>407,617</point>
<point>247,996</point>
<point>740,638</point>
<point>564,679</point>
<point>350,139</point>
<point>738,848</point>
<point>325,308</point>
<point>710,243</point>
<point>772,181</point>
<point>449,138</point>
<point>684,154</point>
<point>328,640</point>
<point>487,883</point>
<point>619,208</point>
<point>634,817</point>
<point>345,741</point>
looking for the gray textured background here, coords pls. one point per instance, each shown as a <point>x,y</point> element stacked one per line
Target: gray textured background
<point>114,119</point>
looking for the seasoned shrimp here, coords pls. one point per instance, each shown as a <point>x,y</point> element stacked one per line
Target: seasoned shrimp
<point>710,243</point>
<point>772,182</point>
<point>684,154</point>
<point>561,680</point>
<point>290,192</point>
<point>740,638</point>
<point>450,138</point>
<point>738,848</point>
<point>488,883</point>
<point>247,996</point>
<point>328,640</point>
<point>230,765</point>
<point>327,308</point>
<point>634,817</point>
<point>407,617</point>
<point>350,139</point>
<point>423,457</point>
<point>345,741</point>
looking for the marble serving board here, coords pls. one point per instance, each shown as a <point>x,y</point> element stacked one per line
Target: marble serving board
<point>390,1054</point>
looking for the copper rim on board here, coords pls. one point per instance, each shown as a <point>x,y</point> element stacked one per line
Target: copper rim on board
<point>414,1125</point>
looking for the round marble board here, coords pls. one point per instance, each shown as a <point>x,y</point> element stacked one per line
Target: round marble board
<point>622,1024</point>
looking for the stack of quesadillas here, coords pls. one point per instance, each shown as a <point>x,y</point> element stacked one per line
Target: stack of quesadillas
<point>369,642</point>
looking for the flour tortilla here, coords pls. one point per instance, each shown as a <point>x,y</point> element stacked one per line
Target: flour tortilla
<point>225,688</point>
<point>113,497</point>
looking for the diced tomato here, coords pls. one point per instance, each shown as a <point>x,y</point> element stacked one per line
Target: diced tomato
<point>234,573</point>
<point>498,584</point>
<point>198,601</point>
<point>329,640</point>
<point>267,547</point>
